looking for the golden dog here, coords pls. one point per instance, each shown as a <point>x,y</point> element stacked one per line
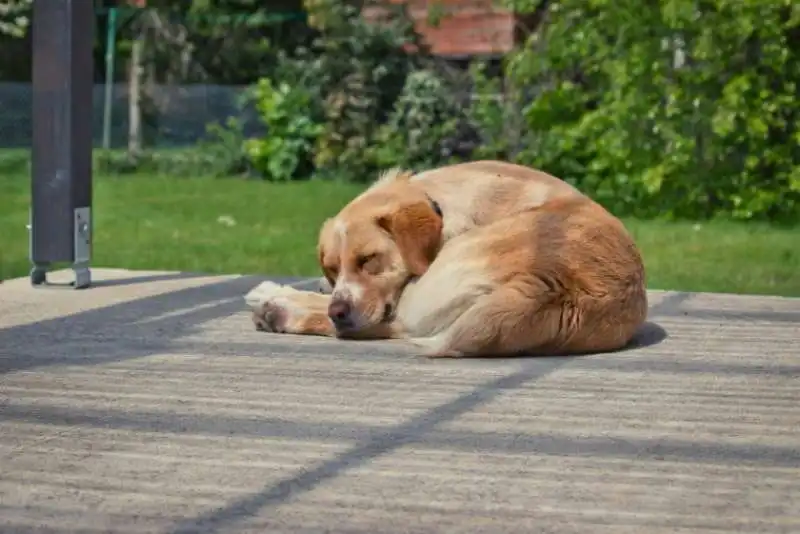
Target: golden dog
<point>475,259</point>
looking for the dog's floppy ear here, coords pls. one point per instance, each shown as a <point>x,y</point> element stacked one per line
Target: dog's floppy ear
<point>417,230</point>
<point>322,241</point>
<point>322,237</point>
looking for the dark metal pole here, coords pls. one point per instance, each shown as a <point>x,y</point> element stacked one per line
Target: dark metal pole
<point>61,181</point>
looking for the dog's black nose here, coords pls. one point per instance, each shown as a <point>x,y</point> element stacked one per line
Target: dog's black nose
<point>339,312</point>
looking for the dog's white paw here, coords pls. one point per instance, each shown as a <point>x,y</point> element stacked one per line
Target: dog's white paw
<point>433,347</point>
<point>271,305</point>
<point>282,308</point>
<point>267,292</point>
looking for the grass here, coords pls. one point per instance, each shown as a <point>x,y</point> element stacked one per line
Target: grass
<point>241,226</point>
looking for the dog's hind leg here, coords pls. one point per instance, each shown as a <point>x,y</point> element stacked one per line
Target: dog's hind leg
<point>515,318</point>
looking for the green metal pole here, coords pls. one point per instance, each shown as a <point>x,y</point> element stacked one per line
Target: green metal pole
<point>111,39</point>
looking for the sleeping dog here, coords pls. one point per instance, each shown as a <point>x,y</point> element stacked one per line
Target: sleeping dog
<point>475,259</point>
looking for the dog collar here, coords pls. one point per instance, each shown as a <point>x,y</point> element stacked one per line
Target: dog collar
<point>435,205</point>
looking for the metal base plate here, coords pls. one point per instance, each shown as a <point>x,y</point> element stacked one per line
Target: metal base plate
<point>82,235</point>
<point>82,277</point>
<point>81,254</point>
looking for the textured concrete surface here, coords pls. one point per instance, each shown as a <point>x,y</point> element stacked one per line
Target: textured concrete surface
<point>149,404</point>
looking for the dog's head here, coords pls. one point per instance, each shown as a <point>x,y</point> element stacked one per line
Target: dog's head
<point>374,247</point>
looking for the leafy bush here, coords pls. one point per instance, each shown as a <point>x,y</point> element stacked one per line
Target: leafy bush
<point>284,153</point>
<point>359,68</point>
<point>323,105</point>
<point>673,108</point>
<point>491,113</point>
<point>221,154</point>
<point>226,146</point>
<point>424,119</point>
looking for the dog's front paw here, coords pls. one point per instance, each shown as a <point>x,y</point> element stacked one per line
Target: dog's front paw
<point>271,317</point>
<point>271,306</point>
<point>286,310</point>
<point>266,292</point>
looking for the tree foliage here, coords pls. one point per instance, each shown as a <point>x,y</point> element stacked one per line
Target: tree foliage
<point>14,17</point>
<point>218,41</point>
<point>376,104</point>
<point>359,69</point>
<point>423,119</point>
<point>287,112</point>
<point>671,108</point>
<point>676,108</point>
<point>667,108</point>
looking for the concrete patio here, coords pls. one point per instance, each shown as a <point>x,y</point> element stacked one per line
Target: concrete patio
<point>148,403</point>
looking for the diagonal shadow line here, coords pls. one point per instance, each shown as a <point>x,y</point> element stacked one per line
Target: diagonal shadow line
<point>147,279</point>
<point>177,313</point>
<point>132,310</point>
<point>403,434</point>
<point>400,435</point>
<point>115,349</point>
<point>720,451</point>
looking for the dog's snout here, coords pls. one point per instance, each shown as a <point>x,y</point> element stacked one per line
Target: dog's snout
<point>340,313</point>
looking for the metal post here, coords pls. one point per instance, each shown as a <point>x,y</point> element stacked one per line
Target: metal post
<point>61,181</point>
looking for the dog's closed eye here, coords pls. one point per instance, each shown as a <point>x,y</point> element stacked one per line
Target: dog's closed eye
<point>369,263</point>
<point>364,259</point>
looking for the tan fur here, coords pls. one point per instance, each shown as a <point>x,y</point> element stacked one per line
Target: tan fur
<point>522,262</point>
<point>417,231</point>
<point>390,175</point>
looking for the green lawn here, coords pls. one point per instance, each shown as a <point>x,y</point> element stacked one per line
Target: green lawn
<point>240,226</point>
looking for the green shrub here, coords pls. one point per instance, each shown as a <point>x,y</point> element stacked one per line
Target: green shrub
<point>324,104</point>
<point>491,113</point>
<point>675,108</point>
<point>424,118</point>
<point>287,112</point>
<point>359,68</point>
<point>226,147</point>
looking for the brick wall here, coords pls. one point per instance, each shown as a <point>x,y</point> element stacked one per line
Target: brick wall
<point>465,27</point>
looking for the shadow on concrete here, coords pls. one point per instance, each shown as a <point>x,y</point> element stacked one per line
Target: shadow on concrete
<point>530,370</point>
<point>119,332</point>
<point>153,324</point>
<point>367,450</point>
<point>651,333</point>
<point>147,279</point>
<point>648,335</point>
<point>49,284</point>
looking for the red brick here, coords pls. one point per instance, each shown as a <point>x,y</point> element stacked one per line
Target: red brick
<point>466,27</point>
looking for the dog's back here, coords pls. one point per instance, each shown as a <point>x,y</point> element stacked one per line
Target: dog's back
<point>528,264</point>
<point>478,193</point>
